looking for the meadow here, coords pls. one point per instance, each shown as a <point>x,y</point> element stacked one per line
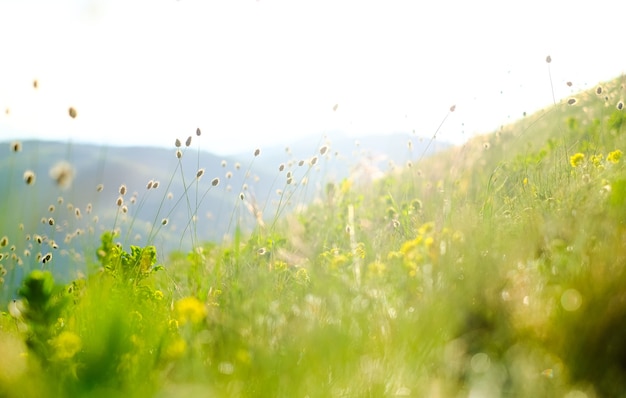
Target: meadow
<point>495,268</point>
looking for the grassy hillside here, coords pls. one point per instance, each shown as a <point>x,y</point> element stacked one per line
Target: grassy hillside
<point>491,269</point>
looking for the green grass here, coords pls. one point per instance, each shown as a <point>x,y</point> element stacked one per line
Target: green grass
<point>496,268</point>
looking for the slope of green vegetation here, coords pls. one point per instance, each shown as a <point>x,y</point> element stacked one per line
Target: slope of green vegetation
<point>492,269</point>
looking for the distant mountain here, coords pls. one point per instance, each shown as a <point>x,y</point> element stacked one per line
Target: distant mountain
<point>179,197</point>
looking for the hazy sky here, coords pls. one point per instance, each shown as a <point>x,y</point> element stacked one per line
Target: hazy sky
<point>256,73</point>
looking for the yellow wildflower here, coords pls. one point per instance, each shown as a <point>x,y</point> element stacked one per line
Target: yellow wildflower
<point>577,159</point>
<point>176,349</point>
<point>189,309</point>
<point>614,156</point>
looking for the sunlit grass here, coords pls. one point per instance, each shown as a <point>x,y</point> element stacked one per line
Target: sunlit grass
<point>492,269</point>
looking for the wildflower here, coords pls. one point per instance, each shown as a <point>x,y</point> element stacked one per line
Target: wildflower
<point>577,159</point>
<point>199,173</point>
<point>99,187</point>
<point>198,132</point>
<point>16,146</point>
<point>188,142</point>
<point>176,349</point>
<point>257,152</point>
<point>215,182</point>
<point>571,101</point>
<point>66,344</point>
<point>72,112</point>
<point>614,156</point>
<point>62,173</point>
<point>189,310</point>
<point>29,177</point>
<point>177,143</point>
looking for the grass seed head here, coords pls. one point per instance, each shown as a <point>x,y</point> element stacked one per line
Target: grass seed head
<point>123,190</point>
<point>188,141</point>
<point>177,143</point>
<point>198,132</point>
<point>164,221</point>
<point>179,154</point>
<point>99,187</point>
<point>150,184</point>
<point>571,101</point>
<point>215,182</point>
<point>63,174</point>
<point>620,106</point>
<point>16,146</point>
<point>29,177</point>
<point>72,112</point>
<point>257,152</point>
<point>548,59</point>
<point>199,173</point>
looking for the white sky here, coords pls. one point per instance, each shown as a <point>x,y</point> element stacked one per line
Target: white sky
<point>255,73</point>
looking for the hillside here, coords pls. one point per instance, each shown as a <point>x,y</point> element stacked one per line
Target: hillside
<point>496,268</point>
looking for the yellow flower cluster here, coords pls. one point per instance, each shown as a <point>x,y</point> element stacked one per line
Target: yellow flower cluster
<point>614,157</point>
<point>577,159</point>
<point>189,310</point>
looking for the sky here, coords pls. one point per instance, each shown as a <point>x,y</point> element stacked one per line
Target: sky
<point>254,73</point>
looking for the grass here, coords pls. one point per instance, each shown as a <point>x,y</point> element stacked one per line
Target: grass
<point>492,269</point>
